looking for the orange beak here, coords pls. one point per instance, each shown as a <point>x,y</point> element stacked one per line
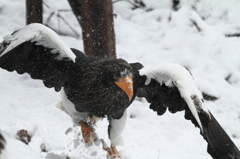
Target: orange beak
<point>126,85</point>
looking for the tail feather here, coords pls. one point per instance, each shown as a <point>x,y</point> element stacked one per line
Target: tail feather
<point>220,146</point>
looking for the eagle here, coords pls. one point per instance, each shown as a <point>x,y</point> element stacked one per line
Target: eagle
<point>95,87</point>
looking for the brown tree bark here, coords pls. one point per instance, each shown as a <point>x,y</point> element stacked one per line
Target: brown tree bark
<point>34,11</point>
<point>96,20</point>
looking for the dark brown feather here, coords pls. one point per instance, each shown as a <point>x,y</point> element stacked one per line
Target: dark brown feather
<point>92,89</point>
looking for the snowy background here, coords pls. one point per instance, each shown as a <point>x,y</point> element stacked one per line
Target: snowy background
<point>197,36</point>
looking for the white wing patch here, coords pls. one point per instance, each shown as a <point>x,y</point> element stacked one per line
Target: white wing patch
<point>42,35</point>
<point>176,75</point>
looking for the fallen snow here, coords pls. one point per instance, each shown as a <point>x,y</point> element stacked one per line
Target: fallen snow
<point>152,38</point>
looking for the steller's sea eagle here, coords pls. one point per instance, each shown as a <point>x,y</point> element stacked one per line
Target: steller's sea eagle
<point>93,87</point>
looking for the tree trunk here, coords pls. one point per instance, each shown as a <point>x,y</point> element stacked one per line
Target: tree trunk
<point>34,11</point>
<point>96,20</point>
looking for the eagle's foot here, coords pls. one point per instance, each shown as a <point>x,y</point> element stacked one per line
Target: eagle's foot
<point>112,152</point>
<point>88,133</point>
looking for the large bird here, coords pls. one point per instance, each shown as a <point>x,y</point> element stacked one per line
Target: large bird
<point>93,87</point>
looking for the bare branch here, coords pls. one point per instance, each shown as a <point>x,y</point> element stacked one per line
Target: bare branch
<point>140,5</point>
<point>196,25</point>
<point>75,32</point>
<point>64,10</point>
<point>46,4</point>
<point>50,16</point>
<point>60,17</point>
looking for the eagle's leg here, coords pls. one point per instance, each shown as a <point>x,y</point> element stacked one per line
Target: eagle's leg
<point>87,130</point>
<point>115,129</point>
<point>112,152</point>
<point>88,133</point>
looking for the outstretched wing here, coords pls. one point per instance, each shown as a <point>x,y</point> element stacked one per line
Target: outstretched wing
<point>171,86</point>
<point>37,50</point>
<point>175,75</point>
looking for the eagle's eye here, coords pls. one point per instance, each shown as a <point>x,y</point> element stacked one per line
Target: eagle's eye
<point>115,76</point>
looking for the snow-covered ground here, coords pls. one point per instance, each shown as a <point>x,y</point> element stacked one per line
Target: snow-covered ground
<point>193,36</point>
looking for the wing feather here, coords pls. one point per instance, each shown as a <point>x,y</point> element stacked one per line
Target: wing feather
<point>38,51</point>
<point>176,75</point>
<point>40,34</point>
<point>171,86</point>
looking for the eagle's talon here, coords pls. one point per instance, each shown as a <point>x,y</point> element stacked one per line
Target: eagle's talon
<point>112,152</point>
<point>88,133</point>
